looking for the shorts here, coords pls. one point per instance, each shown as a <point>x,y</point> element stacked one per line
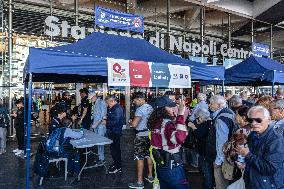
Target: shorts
<point>141,148</point>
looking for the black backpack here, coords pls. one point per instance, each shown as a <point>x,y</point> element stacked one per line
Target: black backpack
<point>210,151</point>
<point>41,163</point>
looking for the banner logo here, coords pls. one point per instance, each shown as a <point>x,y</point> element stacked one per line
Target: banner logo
<point>259,49</point>
<point>120,20</point>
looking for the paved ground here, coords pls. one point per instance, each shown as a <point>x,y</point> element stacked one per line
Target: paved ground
<point>12,171</point>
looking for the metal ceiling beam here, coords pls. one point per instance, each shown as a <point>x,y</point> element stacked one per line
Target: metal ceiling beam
<point>191,16</point>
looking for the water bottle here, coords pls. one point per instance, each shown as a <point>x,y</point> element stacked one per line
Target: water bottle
<point>241,158</point>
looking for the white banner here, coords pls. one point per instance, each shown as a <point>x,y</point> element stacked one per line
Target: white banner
<point>118,72</point>
<point>180,76</point>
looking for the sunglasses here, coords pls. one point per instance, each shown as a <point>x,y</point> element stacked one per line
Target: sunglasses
<point>257,120</point>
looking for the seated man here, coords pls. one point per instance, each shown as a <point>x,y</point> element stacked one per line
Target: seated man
<point>56,121</point>
<point>58,144</point>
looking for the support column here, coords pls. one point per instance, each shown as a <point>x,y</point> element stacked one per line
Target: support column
<point>51,13</point>
<point>202,28</point>
<point>131,8</point>
<point>127,103</point>
<point>252,33</point>
<point>76,8</point>
<point>168,24</point>
<point>229,31</point>
<point>78,98</point>
<point>271,41</point>
<point>10,53</point>
<point>2,51</point>
<point>29,125</point>
<point>105,90</point>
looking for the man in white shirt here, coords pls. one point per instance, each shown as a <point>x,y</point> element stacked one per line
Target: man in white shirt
<point>141,142</point>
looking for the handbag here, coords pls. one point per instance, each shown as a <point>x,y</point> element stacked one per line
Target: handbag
<point>239,184</point>
<point>228,170</point>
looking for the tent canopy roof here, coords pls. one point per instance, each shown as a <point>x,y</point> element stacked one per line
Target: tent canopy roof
<point>88,57</point>
<point>255,71</point>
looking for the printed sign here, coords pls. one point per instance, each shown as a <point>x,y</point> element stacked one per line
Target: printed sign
<point>160,75</point>
<point>180,76</point>
<point>118,72</point>
<point>147,74</point>
<point>260,49</point>
<point>140,74</point>
<point>114,19</point>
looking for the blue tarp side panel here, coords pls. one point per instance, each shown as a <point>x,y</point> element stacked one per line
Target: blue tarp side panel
<point>279,76</point>
<point>119,47</point>
<point>255,71</point>
<point>45,61</point>
<point>209,73</point>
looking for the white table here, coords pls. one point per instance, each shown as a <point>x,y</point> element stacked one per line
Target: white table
<point>90,139</point>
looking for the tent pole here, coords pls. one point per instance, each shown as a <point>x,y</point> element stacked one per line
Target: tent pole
<point>25,114</point>
<point>272,89</point>
<point>223,87</point>
<point>28,150</point>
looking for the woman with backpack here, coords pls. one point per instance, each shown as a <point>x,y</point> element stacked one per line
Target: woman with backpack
<point>168,132</point>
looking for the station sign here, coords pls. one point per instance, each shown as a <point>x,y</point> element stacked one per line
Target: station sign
<point>55,27</point>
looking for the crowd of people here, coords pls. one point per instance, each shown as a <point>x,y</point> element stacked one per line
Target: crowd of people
<point>234,137</point>
<point>239,137</point>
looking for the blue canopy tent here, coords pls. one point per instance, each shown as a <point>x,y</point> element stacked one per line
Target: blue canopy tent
<point>87,57</point>
<point>86,61</point>
<point>255,71</point>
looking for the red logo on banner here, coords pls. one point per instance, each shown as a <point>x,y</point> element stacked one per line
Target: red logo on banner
<point>139,73</point>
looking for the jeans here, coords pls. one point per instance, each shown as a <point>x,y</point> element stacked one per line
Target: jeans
<point>3,135</point>
<point>101,130</point>
<point>193,158</point>
<point>174,178</point>
<point>206,167</point>
<point>115,148</point>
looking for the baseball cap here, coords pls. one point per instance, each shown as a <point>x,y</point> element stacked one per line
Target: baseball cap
<point>163,102</point>
<point>169,93</point>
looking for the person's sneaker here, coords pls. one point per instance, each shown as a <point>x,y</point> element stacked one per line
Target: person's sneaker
<point>20,152</point>
<point>114,170</point>
<point>16,150</point>
<point>149,179</point>
<point>136,185</point>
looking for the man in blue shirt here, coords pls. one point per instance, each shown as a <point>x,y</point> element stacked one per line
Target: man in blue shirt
<point>114,123</point>
<point>98,125</point>
<point>224,125</point>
